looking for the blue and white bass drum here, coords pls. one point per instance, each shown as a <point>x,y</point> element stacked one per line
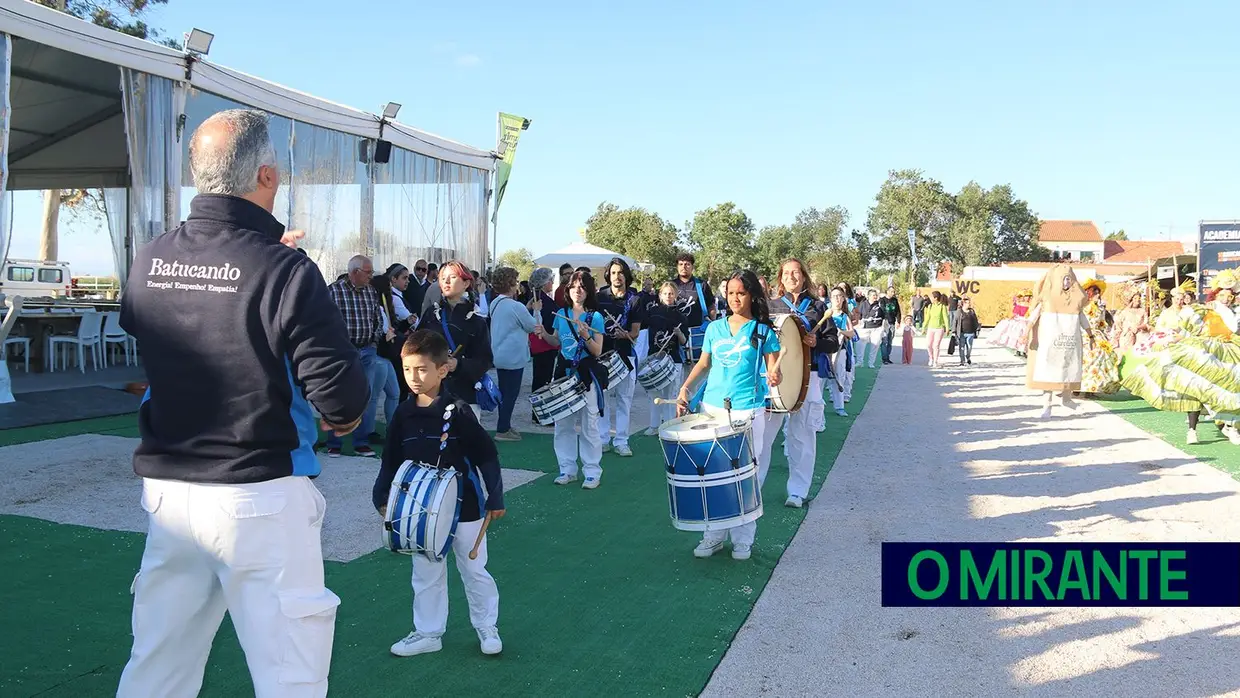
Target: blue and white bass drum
<point>712,474</point>
<point>423,509</point>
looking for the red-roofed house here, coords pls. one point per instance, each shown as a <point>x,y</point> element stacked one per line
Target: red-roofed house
<point>1075,241</point>
<point>1140,251</point>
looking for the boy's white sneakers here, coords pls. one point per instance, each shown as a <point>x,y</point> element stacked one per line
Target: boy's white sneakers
<point>417,643</point>
<point>707,547</point>
<point>489,639</point>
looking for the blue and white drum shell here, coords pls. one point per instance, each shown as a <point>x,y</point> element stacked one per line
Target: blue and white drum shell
<point>712,474</point>
<point>693,350</point>
<point>657,372</point>
<point>423,509</point>
<point>617,370</point>
<point>559,399</point>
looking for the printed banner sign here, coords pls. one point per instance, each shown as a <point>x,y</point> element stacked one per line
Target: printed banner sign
<point>1218,249</point>
<point>510,131</point>
<point>1061,574</point>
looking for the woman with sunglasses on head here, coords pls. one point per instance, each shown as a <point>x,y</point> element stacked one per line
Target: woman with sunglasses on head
<point>734,350</point>
<point>455,316</point>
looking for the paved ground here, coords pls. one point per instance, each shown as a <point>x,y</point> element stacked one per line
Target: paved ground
<point>959,454</point>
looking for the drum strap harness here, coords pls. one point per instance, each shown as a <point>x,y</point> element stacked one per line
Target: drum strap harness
<point>448,413</point>
<point>630,298</point>
<point>821,359</point>
<point>588,368</point>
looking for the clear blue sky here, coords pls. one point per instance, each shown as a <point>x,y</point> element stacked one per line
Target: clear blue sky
<point>1110,111</point>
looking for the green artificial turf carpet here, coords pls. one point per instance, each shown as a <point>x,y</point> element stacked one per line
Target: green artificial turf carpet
<point>1212,448</point>
<point>599,595</point>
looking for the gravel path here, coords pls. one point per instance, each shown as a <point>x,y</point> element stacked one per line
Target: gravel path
<point>959,454</point>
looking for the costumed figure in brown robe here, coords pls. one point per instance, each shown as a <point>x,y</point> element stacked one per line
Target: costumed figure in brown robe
<point>1057,329</point>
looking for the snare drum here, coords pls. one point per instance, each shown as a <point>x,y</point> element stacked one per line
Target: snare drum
<point>559,399</point>
<point>712,474</point>
<point>657,373</point>
<point>794,365</point>
<point>693,350</point>
<point>423,509</point>
<point>617,370</point>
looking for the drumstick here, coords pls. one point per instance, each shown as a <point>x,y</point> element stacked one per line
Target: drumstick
<point>486,521</point>
<point>580,323</point>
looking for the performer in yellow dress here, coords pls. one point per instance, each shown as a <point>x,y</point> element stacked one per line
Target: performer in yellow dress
<point>1100,367</point>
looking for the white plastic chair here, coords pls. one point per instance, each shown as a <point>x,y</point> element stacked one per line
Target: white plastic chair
<point>88,336</point>
<point>113,334</point>
<point>24,342</point>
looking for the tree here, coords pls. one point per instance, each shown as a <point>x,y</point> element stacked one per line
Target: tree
<point>520,259</point>
<point>127,17</point>
<point>124,16</point>
<point>634,232</point>
<point>1117,235</point>
<point>976,226</point>
<point>908,201</point>
<point>723,238</point>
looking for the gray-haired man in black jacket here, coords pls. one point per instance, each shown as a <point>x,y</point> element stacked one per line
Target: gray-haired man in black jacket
<point>240,338</point>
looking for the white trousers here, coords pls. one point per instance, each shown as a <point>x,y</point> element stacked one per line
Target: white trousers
<point>744,534</point>
<point>838,360</point>
<point>577,435</point>
<point>800,445</point>
<point>665,413</point>
<point>814,405</point>
<point>618,405</point>
<point>869,345</point>
<point>642,347</point>
<point>430,585</point>
<point>847,377</point>
<point>253,550</point>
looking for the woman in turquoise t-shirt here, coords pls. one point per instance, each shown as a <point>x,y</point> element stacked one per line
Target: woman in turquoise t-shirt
<point>579,335</point>
<point>732,352</point>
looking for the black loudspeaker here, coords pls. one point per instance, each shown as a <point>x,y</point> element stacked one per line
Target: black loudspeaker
<point>383,151</point>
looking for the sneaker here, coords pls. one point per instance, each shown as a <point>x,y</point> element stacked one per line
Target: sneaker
<point>565,479</point>
<point>509,435</point>
<point>1046,412</point>
<point>1191,437</point>
<point>364,451</point>
<point>623,450</point>
<point>607,447</point>
<point>841,413</point>
<point>741,552</point>
<point>417,643</point>
<point>794,501</point>
<point>1232,434</point>
<point>489,639</point>
<point>333,453</point>
<point>652,431</point>
<point>707,548</point>
<point>590,483</point>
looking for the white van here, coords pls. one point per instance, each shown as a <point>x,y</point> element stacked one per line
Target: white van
<point>30,278</point>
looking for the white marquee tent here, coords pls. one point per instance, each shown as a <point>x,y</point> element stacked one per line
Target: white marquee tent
<point>87,107</point>
<point>583,254</point>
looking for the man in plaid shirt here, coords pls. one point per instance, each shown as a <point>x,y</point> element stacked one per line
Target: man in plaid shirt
<point>359,304</point>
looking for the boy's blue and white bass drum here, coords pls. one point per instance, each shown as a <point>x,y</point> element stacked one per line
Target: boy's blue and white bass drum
<point>423,509</point>
<point>712,472</point>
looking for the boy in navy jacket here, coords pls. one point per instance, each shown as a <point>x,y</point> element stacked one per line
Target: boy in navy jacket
<point>416,434</point>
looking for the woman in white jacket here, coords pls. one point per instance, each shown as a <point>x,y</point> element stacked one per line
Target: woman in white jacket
<point>511,324</point>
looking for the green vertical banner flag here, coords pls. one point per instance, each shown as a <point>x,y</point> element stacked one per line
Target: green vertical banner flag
<point>510,128</point>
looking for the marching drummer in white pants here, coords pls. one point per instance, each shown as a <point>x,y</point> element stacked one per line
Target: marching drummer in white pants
<point>667,336</point>
<point>871,332</point>
<point>621,308</point>
<point>579,335</point>
<point>793,296</point>
<point>228,435</point>
<point>732,352</point>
